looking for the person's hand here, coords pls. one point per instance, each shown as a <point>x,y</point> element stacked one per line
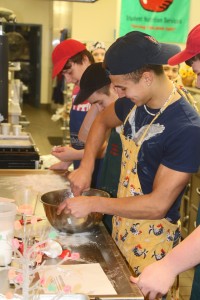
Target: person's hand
<point>155,280</point>
<point>64,153</point>
<point>61,165</point>
<point>79,207</point>
<point>57,149</point>
<point>80,180</point>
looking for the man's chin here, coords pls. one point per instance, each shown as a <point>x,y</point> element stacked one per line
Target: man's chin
<point>136,103</point>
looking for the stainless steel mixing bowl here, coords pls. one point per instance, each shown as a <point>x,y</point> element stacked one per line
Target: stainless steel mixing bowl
<point>67,222</point>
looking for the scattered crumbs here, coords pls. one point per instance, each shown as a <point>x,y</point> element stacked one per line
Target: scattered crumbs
<point>75,239</point>
<point>41,183</point>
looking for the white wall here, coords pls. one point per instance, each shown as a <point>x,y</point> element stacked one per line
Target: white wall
<point>194,13</point>
<point>95,21</point>
<point>37,12</point>
<point>62,18</point>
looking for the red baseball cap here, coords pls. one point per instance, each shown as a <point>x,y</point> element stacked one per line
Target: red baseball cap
<point>63,52</point>
<point>192,47</point>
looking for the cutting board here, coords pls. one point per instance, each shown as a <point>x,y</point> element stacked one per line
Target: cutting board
<point>88,279</point>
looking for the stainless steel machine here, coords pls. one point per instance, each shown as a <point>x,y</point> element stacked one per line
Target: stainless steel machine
<point>17,151</point>
<point>5,16</point>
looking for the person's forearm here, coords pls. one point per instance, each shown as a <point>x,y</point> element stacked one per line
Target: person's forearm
<point>67,153</point>
<point>133,207</point>
<point>186,255</point>
<point>95,140</point>
<point>105,120</point>
<point>76,155</point>
<point>87,122</point>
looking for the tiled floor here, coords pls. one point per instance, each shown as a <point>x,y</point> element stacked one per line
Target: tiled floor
<point>41,126</point>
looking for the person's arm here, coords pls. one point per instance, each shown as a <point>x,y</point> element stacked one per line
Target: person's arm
<point>67,153</point>
<point>157,278</point>
<point>80,179</point>
<point>87,122</point>
<point>154,205</point>
<point>61,165</point>
<point>86,125</point>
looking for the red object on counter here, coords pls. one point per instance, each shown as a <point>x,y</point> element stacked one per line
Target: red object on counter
<point>22,222</point>
<point>65,252</point>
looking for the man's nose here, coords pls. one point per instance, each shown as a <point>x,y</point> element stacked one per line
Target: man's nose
<point>170,74</point>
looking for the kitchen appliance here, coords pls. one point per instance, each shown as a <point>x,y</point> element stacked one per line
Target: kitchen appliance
<point>67,222</point>
<point>15,92</point>
<point>3,77</point>
<point>18,152</point>
<point>6,15</point>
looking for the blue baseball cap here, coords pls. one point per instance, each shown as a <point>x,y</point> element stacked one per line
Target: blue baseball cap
<point>135,50</point>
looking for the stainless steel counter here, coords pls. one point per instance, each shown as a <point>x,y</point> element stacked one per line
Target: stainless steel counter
<point>96,247</point>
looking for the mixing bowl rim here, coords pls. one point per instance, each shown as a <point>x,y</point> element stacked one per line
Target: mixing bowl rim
<point>51,204</point>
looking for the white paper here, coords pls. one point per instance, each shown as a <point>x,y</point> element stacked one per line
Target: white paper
<point>52,297</point>
<point>88,279</point>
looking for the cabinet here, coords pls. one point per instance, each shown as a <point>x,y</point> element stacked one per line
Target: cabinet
<point>189,206</point>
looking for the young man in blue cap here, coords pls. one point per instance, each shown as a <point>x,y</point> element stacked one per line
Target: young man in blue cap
<point>161,146</point>
<point>187,254</point>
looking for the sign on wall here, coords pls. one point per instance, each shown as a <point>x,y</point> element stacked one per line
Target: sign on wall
<point>166,20</point>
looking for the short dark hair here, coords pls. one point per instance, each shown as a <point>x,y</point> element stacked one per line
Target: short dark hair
<point>190,61</point>
<point>78,59</point>
<point>136,75</point>
<point>104,90</point>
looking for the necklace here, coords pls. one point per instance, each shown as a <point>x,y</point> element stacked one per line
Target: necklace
<point>164,105</point>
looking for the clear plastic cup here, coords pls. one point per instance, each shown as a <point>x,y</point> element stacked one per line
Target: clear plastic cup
<point>17,129</point>
<point>26,199</point>
<point>5,128</point>
<point>7,219</point>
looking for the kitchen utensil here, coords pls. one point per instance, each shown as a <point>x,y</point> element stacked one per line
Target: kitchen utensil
<point>67,222</point>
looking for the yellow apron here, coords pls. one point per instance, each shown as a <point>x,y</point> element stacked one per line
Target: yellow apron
<point>140,241</point>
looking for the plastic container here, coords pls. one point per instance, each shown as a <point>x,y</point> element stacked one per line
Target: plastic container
<point>7,219</point>
<point>17,129</point>
<point>5,128</point>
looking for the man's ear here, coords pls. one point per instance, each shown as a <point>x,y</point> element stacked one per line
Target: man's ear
<point>148,77</point>
<point>85,59</point>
